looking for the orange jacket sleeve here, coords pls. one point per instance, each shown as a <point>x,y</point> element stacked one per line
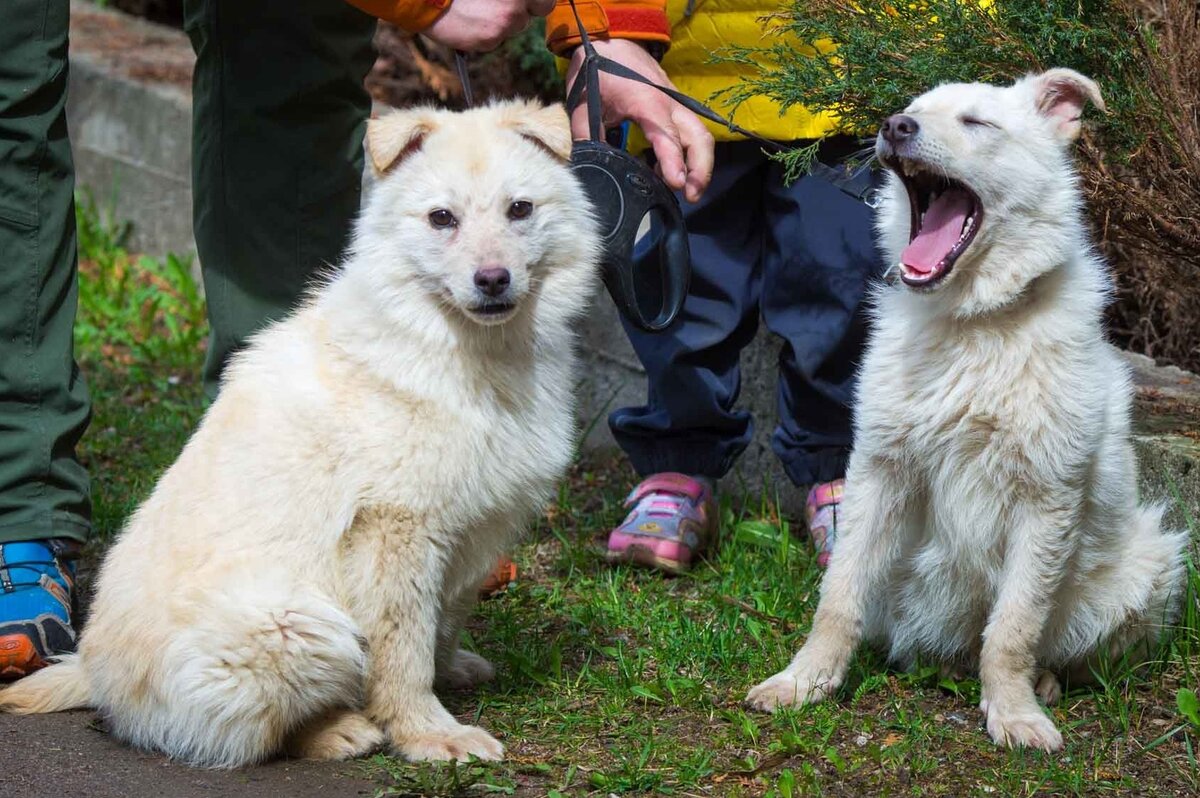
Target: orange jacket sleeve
<point>641,20</point>
<point>412,15</point>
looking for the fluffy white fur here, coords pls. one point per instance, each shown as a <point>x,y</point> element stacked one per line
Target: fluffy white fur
<point>991,517</point>
<point>299,577</point>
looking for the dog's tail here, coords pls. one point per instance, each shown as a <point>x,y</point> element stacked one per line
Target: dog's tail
<point>62,685</point>
<point>1162,553</point>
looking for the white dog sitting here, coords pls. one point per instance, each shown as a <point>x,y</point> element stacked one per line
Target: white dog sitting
<point>991,517</point>
<point>299,577</point>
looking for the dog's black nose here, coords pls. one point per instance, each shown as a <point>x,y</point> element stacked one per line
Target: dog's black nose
<point>898,128</point>
<point>492,281</point>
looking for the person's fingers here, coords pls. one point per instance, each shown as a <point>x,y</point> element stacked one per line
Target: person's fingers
<point>667,149</point>
<point>682,145</point>
<point>697,143</point>
<point>540,8</point>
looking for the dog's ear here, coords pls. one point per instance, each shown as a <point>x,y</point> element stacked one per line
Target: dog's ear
<point>392,138</point>
<point>1060,95</point>
<point>546,126</point>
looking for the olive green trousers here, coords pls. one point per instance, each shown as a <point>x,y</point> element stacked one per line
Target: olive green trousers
<point>278,116</point>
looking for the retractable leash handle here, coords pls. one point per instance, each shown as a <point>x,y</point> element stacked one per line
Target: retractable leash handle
<point>624,190</point>
<point>856,183</point>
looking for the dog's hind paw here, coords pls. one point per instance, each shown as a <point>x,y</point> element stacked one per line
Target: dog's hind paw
<point>338,735</point>
<point>790,688</point>
<point>460,742</point>
<point>466,670</point>
<point>1031,729</point>
<point>1048,688</point>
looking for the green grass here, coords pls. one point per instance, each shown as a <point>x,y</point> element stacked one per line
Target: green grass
<point>139,338</point>
<point>620,681</point>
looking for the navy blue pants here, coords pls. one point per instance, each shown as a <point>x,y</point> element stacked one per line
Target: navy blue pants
<point>799,256</point>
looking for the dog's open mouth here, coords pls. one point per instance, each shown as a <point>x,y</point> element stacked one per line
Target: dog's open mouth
<point>946,215</point>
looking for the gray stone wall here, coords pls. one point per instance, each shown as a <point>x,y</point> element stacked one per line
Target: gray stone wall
<point>129,111</point>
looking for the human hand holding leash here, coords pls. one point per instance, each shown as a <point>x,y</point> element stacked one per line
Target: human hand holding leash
<point>681,142</point>
<point>482,25</point>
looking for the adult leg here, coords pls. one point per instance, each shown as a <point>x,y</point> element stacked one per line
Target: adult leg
<point>279,114</point>
<point>44,408</point>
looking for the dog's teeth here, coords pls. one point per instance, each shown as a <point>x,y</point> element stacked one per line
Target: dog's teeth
<point>967,228</point>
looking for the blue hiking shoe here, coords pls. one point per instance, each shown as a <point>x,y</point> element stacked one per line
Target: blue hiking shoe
<point>36,580</point>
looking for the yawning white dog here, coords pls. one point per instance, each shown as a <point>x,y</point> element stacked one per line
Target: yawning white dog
<point>299,577</point>
<point>991,517</point>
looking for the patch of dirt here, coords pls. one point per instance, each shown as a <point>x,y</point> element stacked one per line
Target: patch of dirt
<point>137,50</point>
<point>965,762</point>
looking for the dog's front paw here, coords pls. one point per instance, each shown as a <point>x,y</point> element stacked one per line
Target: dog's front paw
<point>465,670</point>
<point>793,686</point>
<point>341,735</point>
<point>1028,728</point>
<point>458,742</point>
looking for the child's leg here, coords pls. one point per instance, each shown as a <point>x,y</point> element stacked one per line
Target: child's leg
<point>818,259</point>
<point>688,426</point>
<point>688,423</point>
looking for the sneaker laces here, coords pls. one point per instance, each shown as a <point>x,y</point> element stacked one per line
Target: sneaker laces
<point>11,585</point>
<point>664,505</point>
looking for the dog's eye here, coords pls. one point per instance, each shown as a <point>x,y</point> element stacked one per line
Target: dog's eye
<point>974,121</point>
<point>442,218</point>
<point>520,210</point>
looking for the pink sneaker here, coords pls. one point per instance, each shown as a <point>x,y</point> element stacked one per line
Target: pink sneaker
<point>821,510</point>
<point>672,519</point>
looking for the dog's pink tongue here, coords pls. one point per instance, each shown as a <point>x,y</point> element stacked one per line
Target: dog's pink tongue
<point>939,232</point>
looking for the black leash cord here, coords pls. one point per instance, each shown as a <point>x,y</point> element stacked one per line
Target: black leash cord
<point>460,63</point>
